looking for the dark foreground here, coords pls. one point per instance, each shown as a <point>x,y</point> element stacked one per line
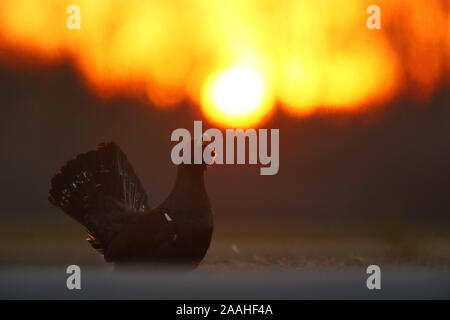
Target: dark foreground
<point>247,263</point>
<point>100,283</point>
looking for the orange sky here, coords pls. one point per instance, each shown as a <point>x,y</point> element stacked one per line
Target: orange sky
<point>237,59</point>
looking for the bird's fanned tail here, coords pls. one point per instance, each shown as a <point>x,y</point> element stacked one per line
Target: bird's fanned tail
<point>101,191</point>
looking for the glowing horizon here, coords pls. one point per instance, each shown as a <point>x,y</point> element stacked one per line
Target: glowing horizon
<point>238,60</point>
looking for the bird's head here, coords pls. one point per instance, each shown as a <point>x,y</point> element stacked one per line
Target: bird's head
<point>199,149</point>
<point>208,152</point>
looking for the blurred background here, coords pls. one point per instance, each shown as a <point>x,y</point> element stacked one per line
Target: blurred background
<point>363,114</point>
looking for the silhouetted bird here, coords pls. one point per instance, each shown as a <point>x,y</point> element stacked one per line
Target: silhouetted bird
<point>100,190</point>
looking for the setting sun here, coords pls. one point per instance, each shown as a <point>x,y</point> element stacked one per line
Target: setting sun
<point>237,96</point>
<point>239,60</point>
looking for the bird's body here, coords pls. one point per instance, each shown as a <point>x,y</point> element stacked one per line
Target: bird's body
<point>101,191</point>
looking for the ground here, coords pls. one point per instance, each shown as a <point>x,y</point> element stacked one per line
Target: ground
<point>241,263</point>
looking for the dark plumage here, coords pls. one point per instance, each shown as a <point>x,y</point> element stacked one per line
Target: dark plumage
<point>101,191</point>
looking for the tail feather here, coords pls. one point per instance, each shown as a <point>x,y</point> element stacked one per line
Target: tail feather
<point>100,190</point>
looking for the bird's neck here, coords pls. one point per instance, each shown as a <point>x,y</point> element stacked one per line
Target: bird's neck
<point>189,190</point>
